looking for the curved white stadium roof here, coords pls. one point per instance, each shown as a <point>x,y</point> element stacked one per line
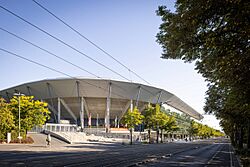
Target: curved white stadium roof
<point>95,90</point>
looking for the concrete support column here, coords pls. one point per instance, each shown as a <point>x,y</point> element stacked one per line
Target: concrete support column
<point>116,121</point>
<point>82,113</point>
<point>58,110</point>
<point>97,123</point>
<point>131,105</point>
<point>107,117</point>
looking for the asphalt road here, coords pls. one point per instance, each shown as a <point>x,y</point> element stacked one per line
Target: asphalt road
<point>210,153</point>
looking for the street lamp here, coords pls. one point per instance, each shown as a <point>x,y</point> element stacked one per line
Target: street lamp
<point>19,125</point>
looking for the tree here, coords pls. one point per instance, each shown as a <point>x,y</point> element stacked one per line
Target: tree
<point>231,107</point>
<point>193,130</point>
<point>170,125</point>
<point>132,118</point>
<point>32,112</point>
<point>149,119</point>
<point>162,120</point>
<point>159,120</point>
<point>215,35</point>
<point>6,119</point>
<point>203,131</point>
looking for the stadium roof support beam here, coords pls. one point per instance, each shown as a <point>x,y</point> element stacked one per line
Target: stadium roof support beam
<point>50,94</point>
<point>29,90</point>
<point>78,89</point>
<point>159,97</point>
<point>58,110</point>
<point>54,111</point>
<point>81,112</point>
<point>68,109</point>
<point>85,106</point>
<point>49,89</point>
<point>125,109</point>
<point>107,116</point>
<point>52,103</point>
<point>138,96</point>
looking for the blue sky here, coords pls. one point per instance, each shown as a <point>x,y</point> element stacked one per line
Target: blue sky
<point>125,29</point>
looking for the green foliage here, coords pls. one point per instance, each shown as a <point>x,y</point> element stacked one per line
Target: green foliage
<point>156,118</point>
<point>215,35</point>
<point>132,118</point>
<point>32,112</point>
<point>149,113</point>
<point>194,128</point>
<point>159,119</point>
<point>204,131</point>
<point>6,119</point>
<point>171,125</point>
<point>183,124</point>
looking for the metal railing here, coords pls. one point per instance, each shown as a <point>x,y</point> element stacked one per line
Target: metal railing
<point>55,128</point>
<point>60,127</point>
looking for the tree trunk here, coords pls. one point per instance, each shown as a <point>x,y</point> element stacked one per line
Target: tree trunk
<point>232,138</point>
<point>241,134</point>
<point>236,136</point>
<point>161,135</point>
<point>248,135</point>
<point>131,136</point>
<point>157,135</point>
<point>149,136</point>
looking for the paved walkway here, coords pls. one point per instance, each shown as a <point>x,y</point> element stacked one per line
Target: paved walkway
<point>40,139</point>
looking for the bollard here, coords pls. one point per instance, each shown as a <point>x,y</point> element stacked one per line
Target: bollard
<point>8,137</point>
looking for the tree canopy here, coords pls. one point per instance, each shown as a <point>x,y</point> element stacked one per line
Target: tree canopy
<point>32,113</point>
<point>215,35</point>
<point>7,122</point>
<point>132,118</point>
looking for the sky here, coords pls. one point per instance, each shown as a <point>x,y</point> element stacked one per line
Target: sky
<point>125,29</point>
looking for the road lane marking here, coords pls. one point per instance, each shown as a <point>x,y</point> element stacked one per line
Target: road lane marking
<point>219,150</point>
<point>231,159</point>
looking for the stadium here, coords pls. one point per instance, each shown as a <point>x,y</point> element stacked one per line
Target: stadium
<point>96,102</point>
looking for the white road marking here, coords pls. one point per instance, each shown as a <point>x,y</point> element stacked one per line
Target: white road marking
<point>231,159</point>
<point>214,156</point>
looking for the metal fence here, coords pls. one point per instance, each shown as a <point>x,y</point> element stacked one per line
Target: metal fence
<point>55,128</point>
<point>50,127</point>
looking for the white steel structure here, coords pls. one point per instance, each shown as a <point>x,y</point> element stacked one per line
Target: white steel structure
<point>105,101</point>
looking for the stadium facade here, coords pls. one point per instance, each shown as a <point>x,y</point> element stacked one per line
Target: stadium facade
<point>98,102</point>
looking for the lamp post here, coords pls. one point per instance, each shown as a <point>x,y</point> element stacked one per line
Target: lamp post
<point>19,124</point>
